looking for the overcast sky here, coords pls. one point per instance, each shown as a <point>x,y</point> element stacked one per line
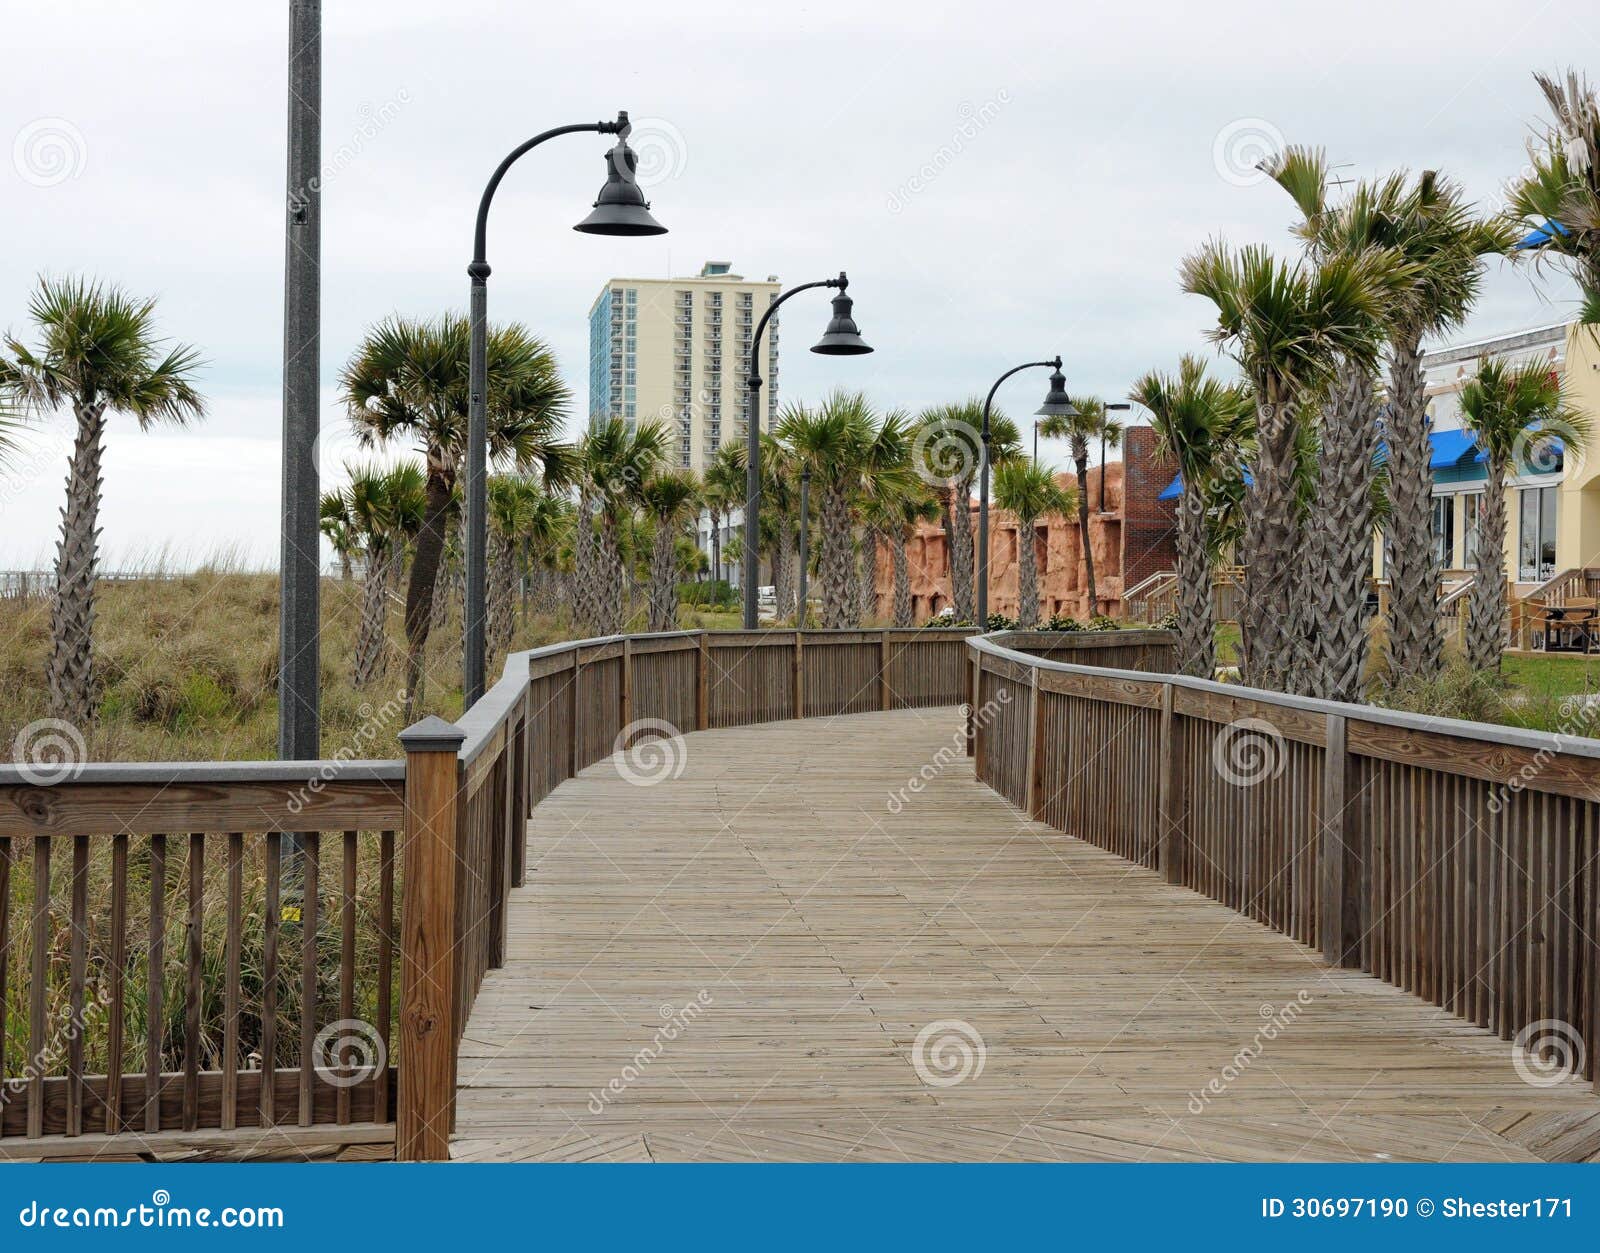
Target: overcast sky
<point>1001,181</point>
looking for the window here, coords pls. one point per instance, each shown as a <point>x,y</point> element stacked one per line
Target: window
<point>1536,534</point>
<point>1471,524</point>
<point>1444,529</point>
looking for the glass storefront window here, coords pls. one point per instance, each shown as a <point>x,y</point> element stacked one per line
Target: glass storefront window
<point>1536,534</point>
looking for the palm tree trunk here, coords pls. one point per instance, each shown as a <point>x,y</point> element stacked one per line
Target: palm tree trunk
<point>716,543</point>
<point>424,575</point>
<point>903,612</point>
<point>1415,645</point>
<point>1272,549</point>
<point>1197,628</point>
<point>1027,575</point>
<point>664,579</point>
<point>370,635</point>
<point>71,675</point>
<point>867,591</point>
<point>836,567</point>
<point>1339,546</point>
<point>585,560</point>
<point>783,568</point>
<point>1080,460</point>
<point>1486,601</point>
<point>959,543</point>
<point>609,601</point>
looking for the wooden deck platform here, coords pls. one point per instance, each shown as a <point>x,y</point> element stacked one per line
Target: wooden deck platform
<point>737,962</point>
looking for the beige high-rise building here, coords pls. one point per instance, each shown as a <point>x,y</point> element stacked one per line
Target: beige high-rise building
<point>676,350</point>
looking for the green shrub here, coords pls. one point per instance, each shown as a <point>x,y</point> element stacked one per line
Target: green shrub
<point>710,594</point>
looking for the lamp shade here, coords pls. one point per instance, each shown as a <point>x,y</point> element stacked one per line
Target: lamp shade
<point>1057,404</point>
<point>843,337</point>
<point>620,208</point>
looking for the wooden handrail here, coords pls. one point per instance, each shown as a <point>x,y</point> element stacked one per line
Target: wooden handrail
<point>1454,859</point>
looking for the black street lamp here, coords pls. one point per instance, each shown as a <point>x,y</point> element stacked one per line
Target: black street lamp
<point>620,209</point>
<point>1056,405</point>
<point>841,339</point>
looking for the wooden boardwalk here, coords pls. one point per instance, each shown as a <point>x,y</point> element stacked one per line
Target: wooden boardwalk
<point>737,962</point>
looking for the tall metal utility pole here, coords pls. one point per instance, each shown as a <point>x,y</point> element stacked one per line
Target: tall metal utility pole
<point>299,721</point>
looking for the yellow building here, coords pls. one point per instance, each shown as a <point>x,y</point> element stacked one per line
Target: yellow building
<point>1553,512</point>
<point>677,351</point>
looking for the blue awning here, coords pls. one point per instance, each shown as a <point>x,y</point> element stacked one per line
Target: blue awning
<point>1449,449</point>
<point>1540,237</point>
<point>1174,489</point>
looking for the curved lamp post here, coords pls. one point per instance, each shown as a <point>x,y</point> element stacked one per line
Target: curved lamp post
<point>841,339</point>
<point>620,209</point>
<point>1056,405</point>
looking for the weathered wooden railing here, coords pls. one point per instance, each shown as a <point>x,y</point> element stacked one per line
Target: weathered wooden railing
<point>287,1006</point>
<point>1456,860</point>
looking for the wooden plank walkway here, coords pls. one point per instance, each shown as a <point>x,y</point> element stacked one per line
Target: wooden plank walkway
<point>737,962</point>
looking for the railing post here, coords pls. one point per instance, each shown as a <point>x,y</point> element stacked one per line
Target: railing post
<point>577,714</point>
<point>1340,923</point>
<point>883,671</point>
<point>1169,789</point>
<point>1035,801</point>
<point>702,685</point>
<point>427,942</point>
<point>972,703</point>
<point>626,686</point>
<point>799,674</point>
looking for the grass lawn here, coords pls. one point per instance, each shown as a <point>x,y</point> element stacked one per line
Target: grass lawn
<point>1533,691</point>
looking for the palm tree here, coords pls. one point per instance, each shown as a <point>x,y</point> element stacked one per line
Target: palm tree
<point>616,463</point>
<point>1089,422</point>
<point>1339,540</point>
<point>1200,425</point>
<point>723,490</point>
<point>408,381</point>
<point>98,352</point>
<point>1515,412</point>
<point>1443,242</point>
<point>1286,325</point>
<point>889,473</point>
<point>841,442</point>
<point>671,498</point>
<point>947,449</point>
<point>1029,491</point>
<point>915,508</point>
<point>546,529</point>
<point>333,520</point>
<point>377,508</point>
<point>1560,190</point>
<point>510,506</point>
